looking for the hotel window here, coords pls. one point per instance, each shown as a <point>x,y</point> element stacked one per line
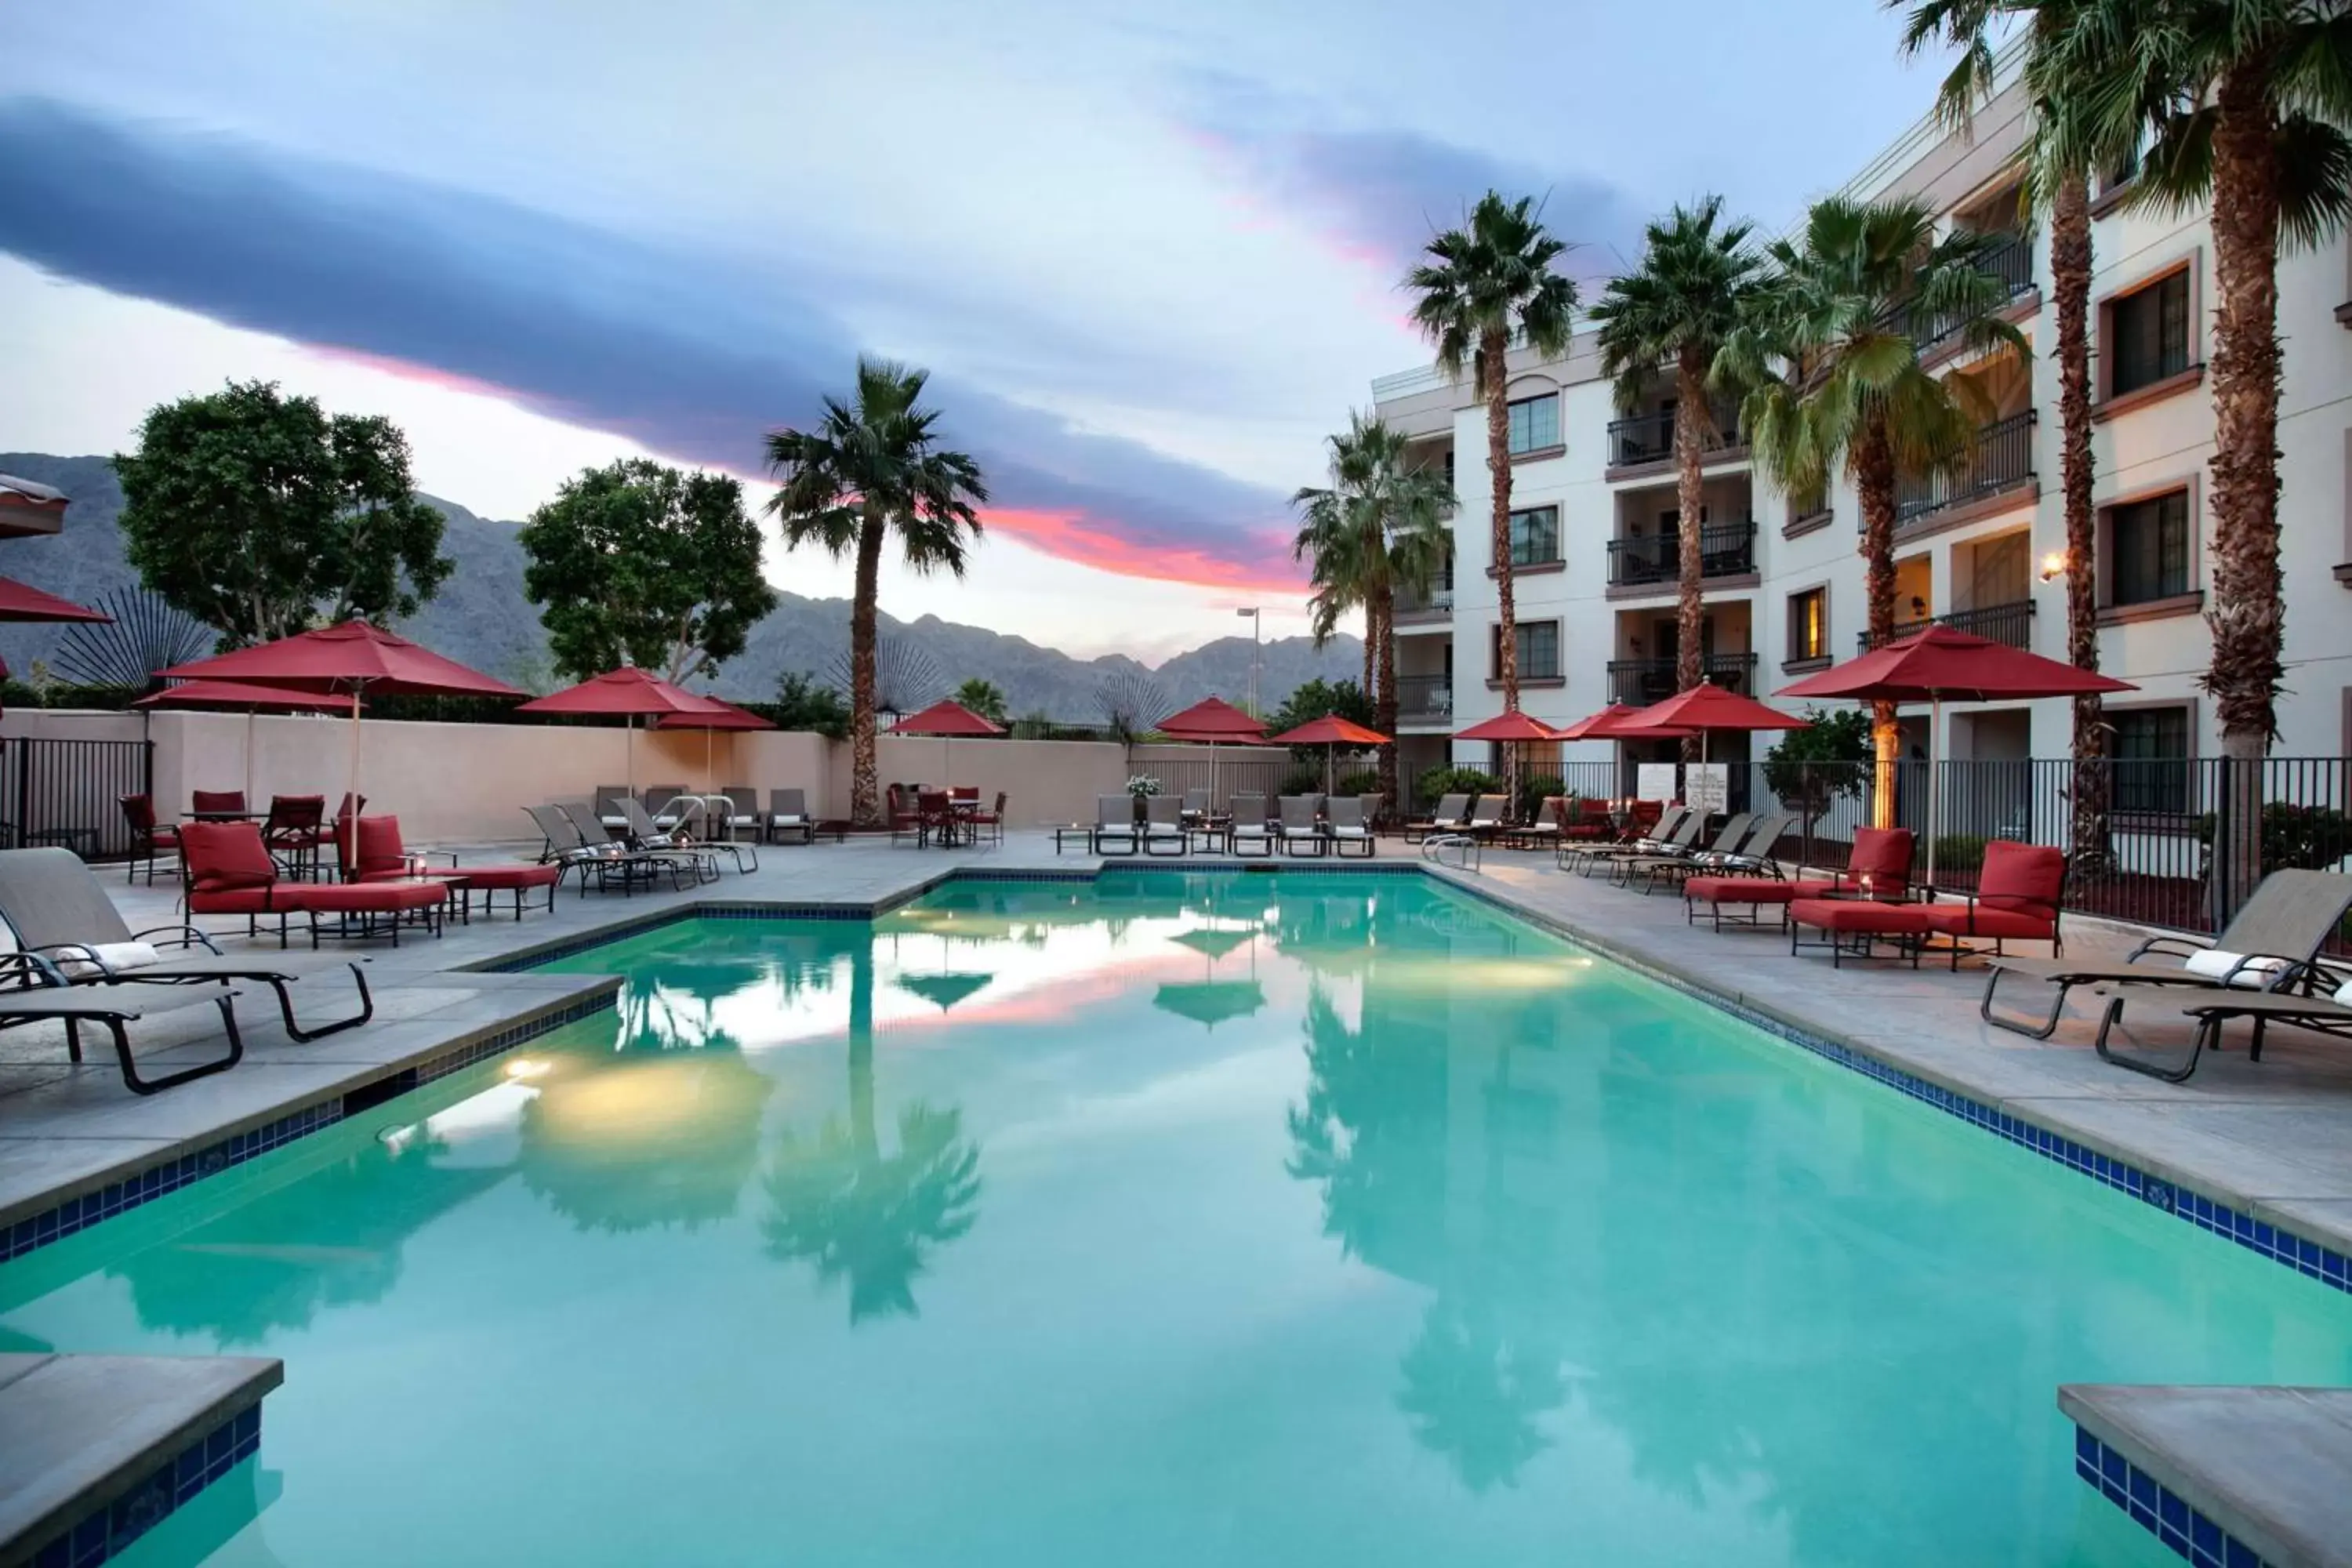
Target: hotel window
<point>1809,626</point>
<point>1535,536</point>
<point>1535,423</point>
<point>2152,752</point>
<point>2148,334</point>
<point>2147,546</point>
<point>1538,644</point>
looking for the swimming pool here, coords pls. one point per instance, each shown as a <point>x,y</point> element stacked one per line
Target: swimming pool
<point>1171,1218</point>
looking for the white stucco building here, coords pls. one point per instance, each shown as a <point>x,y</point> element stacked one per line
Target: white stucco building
<point>1594,507</point>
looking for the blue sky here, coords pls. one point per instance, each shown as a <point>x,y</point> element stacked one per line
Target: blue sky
<point>1150,254</point>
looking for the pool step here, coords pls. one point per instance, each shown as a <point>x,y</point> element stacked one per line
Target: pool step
<point>97,1449</point>
<point>2223,1474</point>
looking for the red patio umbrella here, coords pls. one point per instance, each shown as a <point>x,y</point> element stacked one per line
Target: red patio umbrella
<point>1939,665</point>
<point>946,719</point>
<point>1515,729</point>
<point>233,696</point>
<point>1606,725</point>
<point>1331,732</point>
<point>722,715</point>
<point>352,658</point>
<point>1706,707</point>
<point>627,693</point>
<point>23,602</point>
<point>1213,721</point>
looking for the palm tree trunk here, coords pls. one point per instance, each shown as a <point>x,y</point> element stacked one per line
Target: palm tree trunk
<point>1371,649</point>
<point>1691,414</point>
<point>864,790</point>
<point>2245,616</point>
<point>1492,364</point>
<point>1384,709</point>
<point>862,1129</point>
<point>1873,478</point>
<point>2069,278</point>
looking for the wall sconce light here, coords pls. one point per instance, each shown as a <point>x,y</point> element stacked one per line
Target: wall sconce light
<point>2053,566</point>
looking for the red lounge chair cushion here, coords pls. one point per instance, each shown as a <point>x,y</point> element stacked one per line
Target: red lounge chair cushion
<point>1751,890</point>
<point>1884,854</point>
<point>2024,878</point>
<point>362,898</point>
<point>239,900</point>
<point>1860,916</point>
<point>1959,920</point>
<point>379,849</point>
<point>225,856</point>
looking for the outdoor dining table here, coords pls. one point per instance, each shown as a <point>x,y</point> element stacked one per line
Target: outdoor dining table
<point>225,815</point>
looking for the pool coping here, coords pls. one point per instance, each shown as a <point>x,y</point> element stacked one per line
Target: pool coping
<point>69,1207</point>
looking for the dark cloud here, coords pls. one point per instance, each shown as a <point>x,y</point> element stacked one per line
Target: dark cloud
<point>690,356</point>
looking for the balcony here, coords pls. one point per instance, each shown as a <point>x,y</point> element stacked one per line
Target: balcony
<point>2002,458</point>
<point>2011,623</point>
<point>1424,699</point>
<point>2010,262</point>
<point>1433,609</point>
<point>1646,438</point>
<point>1638,682</point>
<point>1726,550</point>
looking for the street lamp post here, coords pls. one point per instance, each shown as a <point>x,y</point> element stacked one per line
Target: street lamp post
<point>1256,624</point>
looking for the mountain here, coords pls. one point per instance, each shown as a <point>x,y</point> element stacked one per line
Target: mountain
<point>481,619</point>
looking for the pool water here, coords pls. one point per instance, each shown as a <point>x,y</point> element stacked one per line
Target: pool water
<point>1171,1219</point>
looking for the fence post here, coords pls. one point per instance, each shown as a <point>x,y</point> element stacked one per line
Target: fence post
<point>24,790</point>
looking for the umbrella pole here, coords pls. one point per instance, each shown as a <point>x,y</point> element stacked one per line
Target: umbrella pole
<point>352,852</point>
<point>1935,736</point>
<point>248,759</point>
<point>632,754</point>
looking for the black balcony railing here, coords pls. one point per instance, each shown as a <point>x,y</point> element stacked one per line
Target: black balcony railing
<point>1638,682</point>
<point>1424,698</point>
<point>1725,550</point>
<point>2001,455</point>
<point>1435,605</point>
<point>2010,262</point>
<point>2012,623</point>
<point>1650,437</point>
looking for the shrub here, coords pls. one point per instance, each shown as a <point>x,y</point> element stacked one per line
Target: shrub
<point>1451,780</point>
<point>2312,838</point>
<point>1959,852</point>
<point>1809,768</point>
<point>1363,780</point>
<point>1534,792</point>
<point>1301,780</point>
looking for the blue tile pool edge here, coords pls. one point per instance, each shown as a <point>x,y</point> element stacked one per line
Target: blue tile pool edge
<point>2157,1508</point>
<point>107,1531</point>
<point>2310,1258</point>
<point>71,1215</point>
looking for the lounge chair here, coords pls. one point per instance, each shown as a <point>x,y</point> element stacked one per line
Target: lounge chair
<point>1196,806</point>
<point>37,1000</point>
<point>1544,828</point>
<point>379,856</point>
<point>1879,861</point>
<point>1679,833</point>
<point>645,838</point>
<point>2325,1015</point>
<point>1447,818</point>
<point>1346,827</point>
<point>742,811</point>
<point>608,798</point>
<point>788,813</point>
<point>2016,900</point>
<point>225,869</point>
<point>150,840</point>
<point>1251,834</point>
<point>1114,824</point>
<point>1752,854</point>
<point>2271,945</point>
<point>1486,818</point>
<point>1623,868</point>
<point>570,848</point>
<point>64,919</point>
<point>1163,825</point>
<point>1296,830</point>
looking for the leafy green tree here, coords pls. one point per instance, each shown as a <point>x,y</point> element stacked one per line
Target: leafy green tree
<point>801,703</point>
<point>1485,285</point>
<point>872,467</point>
<point>1809,769</point>
<point>263,515</point>
<point>640,562</point>
<point>984,698</point>
<point>1380,527</point>
<point>1696,285</point>
<point>1834,379</point>
<point>1313,700</point>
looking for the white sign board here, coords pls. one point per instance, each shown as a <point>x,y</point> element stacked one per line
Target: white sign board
<point>1706,786</point>
<point>1654,781</point>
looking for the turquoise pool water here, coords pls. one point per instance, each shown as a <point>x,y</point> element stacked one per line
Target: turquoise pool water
<point>1170,1220</point>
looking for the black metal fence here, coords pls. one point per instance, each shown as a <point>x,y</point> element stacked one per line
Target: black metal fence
<point>1650,437</point>
<point>1726,550</point>
<point>1638,682</point>
<point>2012,623</point>
<point>71,792</point>
<point>2001,455</point>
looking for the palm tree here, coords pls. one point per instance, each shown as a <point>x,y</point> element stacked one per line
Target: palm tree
<point>2059,162</point>
<point>1680,307</point>
<point>2244,104</point>
<point>1380,527</point>
<point>1487,283</point>
<point>983,697</point>
<point>1834,377</point>
<point>870,468</point>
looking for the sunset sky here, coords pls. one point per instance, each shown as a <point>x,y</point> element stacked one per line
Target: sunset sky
<point>1150,254</point>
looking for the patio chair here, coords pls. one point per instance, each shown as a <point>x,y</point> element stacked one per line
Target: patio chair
<point>1681,835</point>
<point>216,800</point>
<point>150,840</point>
<point>1114,824</point>
<point>608,798</point>
<point>899,809</point>
<point>743,811</point>
<point>990,821</point>
<point>1589,823</point>
<point>1348,829</point>
<point>936,807</point>
<point>2323,1014</point>
<point>788,813</point>
<point>32,998</point>
<point>1636,839</point>
<point>293,831</point>
<point>2271,945</point>
<point>225,869</point>
<point>1296,830</point>
<point>2016,899</point>
<point>62,917</point>
<point>1163,826</point>
<point>1446,818</point>
<point>380,856</point>
<point>1486,816</point>
<point>1727,838</point>
<point>569,847</point>
<point>647,838</point>
<point>1251,834</point>
<point>1879,862</point>
<point>1375,805</point>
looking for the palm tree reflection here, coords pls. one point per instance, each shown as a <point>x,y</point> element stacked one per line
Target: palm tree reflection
<point>1473,1394</point>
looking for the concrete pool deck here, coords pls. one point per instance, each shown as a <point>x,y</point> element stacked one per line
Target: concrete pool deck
<point>2272,1139</point>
